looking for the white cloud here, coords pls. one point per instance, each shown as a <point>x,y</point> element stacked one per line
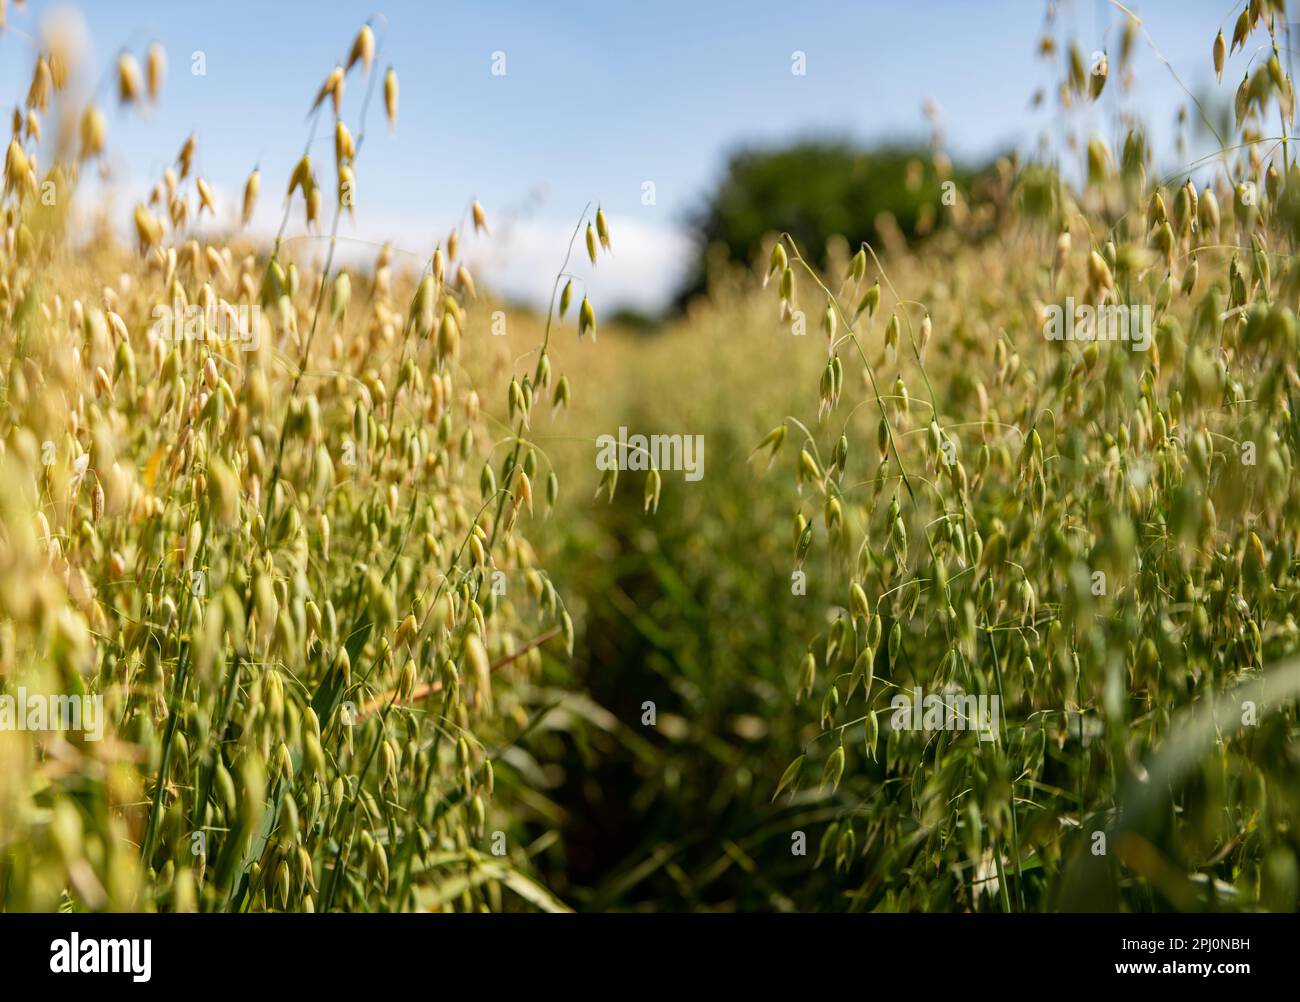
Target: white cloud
<point>642,270</point>
<point>517,259</point>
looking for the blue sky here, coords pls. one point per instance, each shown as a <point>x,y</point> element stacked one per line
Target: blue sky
<point>597,99</point>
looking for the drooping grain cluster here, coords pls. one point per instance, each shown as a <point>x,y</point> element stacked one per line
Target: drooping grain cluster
<point>255,505</point>
<point>1098,532</point>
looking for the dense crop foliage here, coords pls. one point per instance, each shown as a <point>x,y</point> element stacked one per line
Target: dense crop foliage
<point>281,544</point>
<point>1002,617</point>
<point>1100,533</point>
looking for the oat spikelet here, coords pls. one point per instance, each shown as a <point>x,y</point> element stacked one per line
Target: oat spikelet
<point>776,263</point>
<point>38,94</point>
<point>1097,81</point>
<point>155,70</point>
<point>390,97</point>
<point>586,319</point>
<point>340,295</point>
<point>1099,274</point>
<point>301,177</point>
<point>448,336</point>
<point>128,78</point>
<point>1242,28</point>
<point>653,485</point>
<point>185,159</point>
<point>465,282</point>
<point>148,229</point>
<point>205,197</point>
<point>420,317</point>
<point>771,443</point>
<point>15,166</point>
<point>332,87</point>
<point>480,221</point>
<point>480,668</point>
<point>92,132</point>
<point>602,228</point>
<point>363,49</point>
<point>251,187</point>
<point>313,206</point>
<point>344,148</point>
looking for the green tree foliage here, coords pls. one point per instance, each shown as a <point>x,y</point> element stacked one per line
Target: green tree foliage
<point>815,190</point>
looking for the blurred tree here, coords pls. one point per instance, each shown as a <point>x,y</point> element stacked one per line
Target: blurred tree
<point>817,189</point>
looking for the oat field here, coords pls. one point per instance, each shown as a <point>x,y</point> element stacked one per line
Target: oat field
<point>954,571</point>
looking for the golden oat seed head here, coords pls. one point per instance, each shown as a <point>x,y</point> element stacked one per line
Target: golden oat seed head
<point>363,49</point>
